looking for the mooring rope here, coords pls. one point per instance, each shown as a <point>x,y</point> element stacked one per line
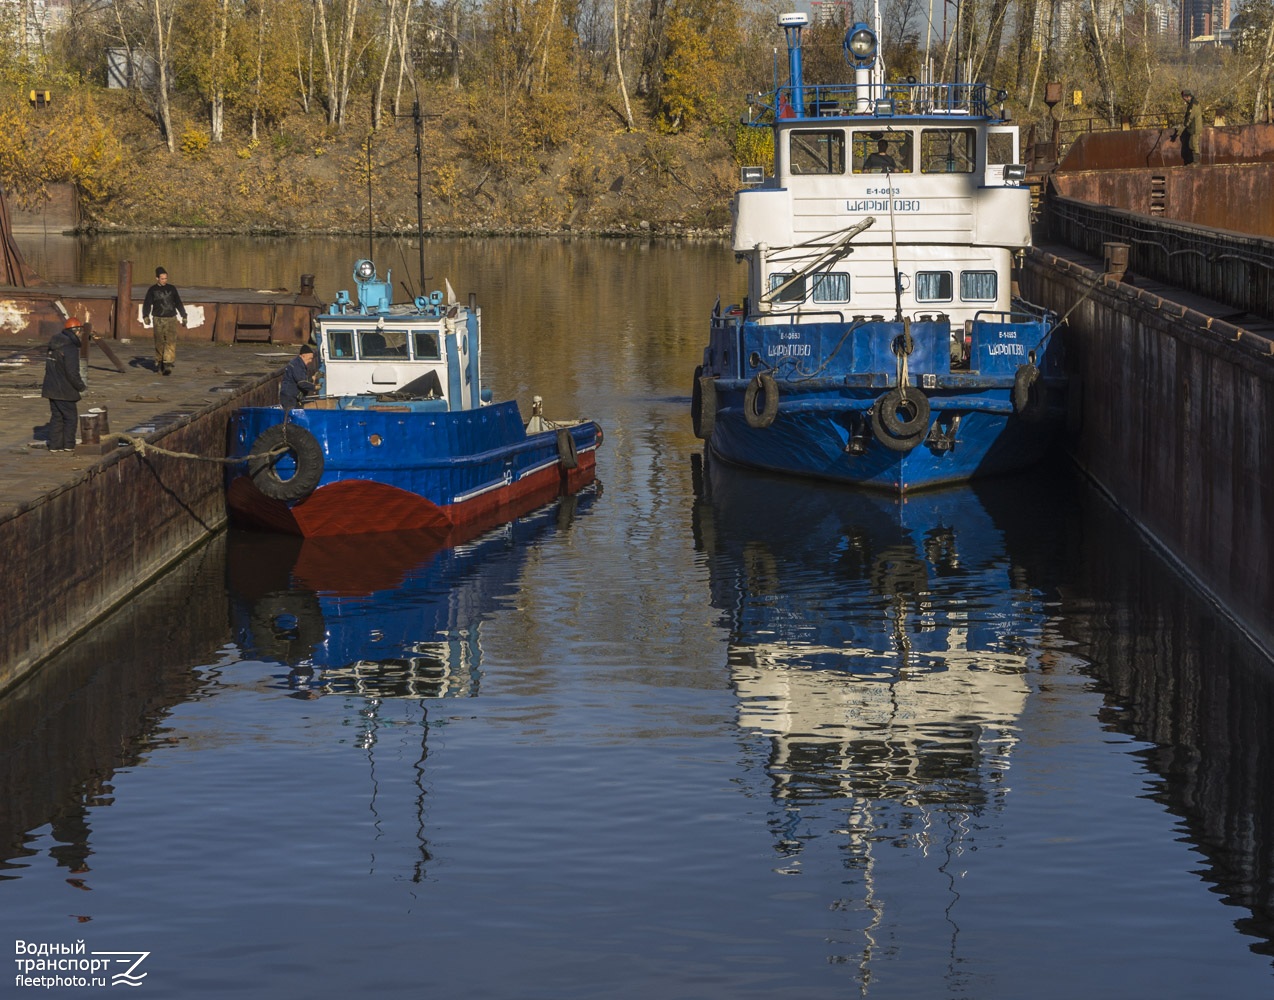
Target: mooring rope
<point>145,448</point>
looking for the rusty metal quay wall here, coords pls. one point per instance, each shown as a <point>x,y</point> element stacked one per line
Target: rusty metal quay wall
<point>1173,416</point>
<point>73,554</point>
<point>1230,267</point>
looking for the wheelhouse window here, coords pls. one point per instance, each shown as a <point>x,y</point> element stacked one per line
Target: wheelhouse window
<point>879,151</point>
<point>978,286</point>
<point>425,345</point>
<point>340,343</point>
<point>948,150</point>
<point>375,343</point>
<point>1001,148</point>
<point>933,286</point>
<point>795,292</point>
<point>832,287</point>
<point>812,151</point>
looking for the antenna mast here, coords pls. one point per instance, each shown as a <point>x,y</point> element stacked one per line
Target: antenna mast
<point>420,196</point>
<point>371,253</point>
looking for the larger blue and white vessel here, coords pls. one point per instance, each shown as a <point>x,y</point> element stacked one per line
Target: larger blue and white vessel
<point>880,342</point>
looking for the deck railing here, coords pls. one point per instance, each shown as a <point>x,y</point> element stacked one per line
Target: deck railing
<point>1227,267</point>
<point>887,101</point>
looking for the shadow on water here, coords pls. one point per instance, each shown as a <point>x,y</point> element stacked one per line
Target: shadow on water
<point>1174,672</point>
<point>886,653</point>
<point>385,618</point>
<point>100,706</point>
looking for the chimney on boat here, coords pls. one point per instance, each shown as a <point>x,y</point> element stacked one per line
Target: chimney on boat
<point>792,24</point>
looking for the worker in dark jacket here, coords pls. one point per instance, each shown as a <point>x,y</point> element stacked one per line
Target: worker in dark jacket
<point>1191,130</point>
<point>163,301</point>
<point>296,379</point>
<point>63,385</point>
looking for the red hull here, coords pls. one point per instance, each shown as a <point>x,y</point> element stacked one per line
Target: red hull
<point>357,507</point>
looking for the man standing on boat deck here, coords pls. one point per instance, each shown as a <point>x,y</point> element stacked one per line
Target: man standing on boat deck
<point>1191,129</point>
<point>63,385</point>
<point>163,301</point>
<point>296,379</point>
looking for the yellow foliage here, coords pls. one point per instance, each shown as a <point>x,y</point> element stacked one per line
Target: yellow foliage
<point>68,143</point>
<point>753,146</point>
<point>195,142</point>
<point>445,176</point>
<point>702,35</point>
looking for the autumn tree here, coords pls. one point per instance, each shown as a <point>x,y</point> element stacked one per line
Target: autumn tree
<point>702,39</point>
<point>209,55</point>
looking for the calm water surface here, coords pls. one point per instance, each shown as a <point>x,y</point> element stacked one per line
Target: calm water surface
<point>696,733</point>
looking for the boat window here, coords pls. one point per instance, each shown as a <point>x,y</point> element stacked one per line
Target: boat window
<point>382,344</point>
<point>948,150</point>
<point>879,152</point>
<point>795,292</point>
<point>832,287</point>
<point>816,152</point>
<point>933,286</point>
<point>340,343</point>
<point>425,344</point>
<point>1001,148</point>
<point>978,286</point>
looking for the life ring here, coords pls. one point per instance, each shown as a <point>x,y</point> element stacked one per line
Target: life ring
<point>904,414</point>
<point>900,434</point>
<point>762,416</point>
<point>1029,400</point>
<point>305,451</point>
<point>703,404</point>
<point>567,453</point>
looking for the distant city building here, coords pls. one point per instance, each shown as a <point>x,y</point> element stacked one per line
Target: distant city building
<point>1205,22</point>
<point>1061,20</point>
<point>31,21</point>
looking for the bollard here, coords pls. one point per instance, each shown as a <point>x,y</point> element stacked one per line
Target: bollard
<point>90,429</point>
<point>1116,259</point>
<point>103,419</point>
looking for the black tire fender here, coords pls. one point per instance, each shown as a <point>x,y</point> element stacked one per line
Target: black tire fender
<point>567,451</point>
<point>903,415</point>
<point>1028,393</point>
<point>263,462</point>
<point>888,440</point>
<point>762,415</point>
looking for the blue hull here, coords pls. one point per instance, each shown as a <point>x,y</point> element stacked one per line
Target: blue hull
<point>827,405</point>
<point>816,438</point>
<point>396,467</point>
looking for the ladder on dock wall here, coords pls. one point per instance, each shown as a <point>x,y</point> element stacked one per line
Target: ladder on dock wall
<point>1158,194</point>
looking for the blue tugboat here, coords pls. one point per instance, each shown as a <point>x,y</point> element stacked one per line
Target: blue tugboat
<point>880,342</point>
<point>402,436</point>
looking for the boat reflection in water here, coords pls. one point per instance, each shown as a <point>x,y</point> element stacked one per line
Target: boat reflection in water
<point>883,652</point>
<point>389,615</point>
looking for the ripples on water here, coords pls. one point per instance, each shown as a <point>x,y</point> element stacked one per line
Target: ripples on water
<point>696,733</point>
